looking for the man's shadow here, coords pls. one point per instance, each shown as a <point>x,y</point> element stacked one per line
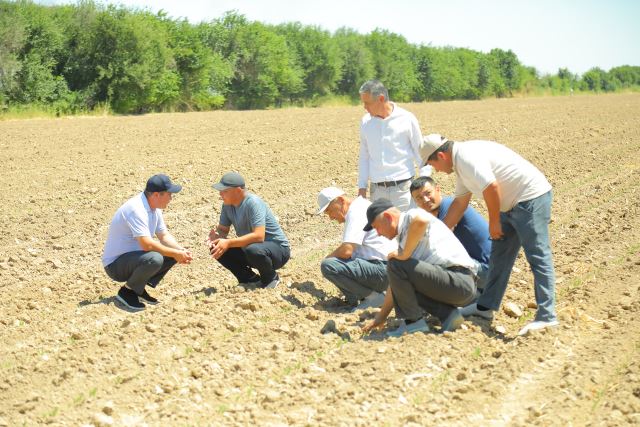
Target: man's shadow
<point>324,301</point>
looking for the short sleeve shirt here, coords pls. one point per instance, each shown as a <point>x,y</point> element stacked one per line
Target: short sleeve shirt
<point>479,163</point>
<point>369,245</point>
<point>438,246</point>
<point>253,212</point>
<point>472,231</point>
<point>132,220</point>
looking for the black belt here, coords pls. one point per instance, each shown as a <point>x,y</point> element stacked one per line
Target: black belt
<point>391,183</point>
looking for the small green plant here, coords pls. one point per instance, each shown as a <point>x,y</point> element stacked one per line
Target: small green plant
<point>79,399</point>
<point>476,353</point>
<point>93,392</point>
<point>221,409</point>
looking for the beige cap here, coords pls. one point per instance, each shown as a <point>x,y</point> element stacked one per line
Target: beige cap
<point>430,143</point>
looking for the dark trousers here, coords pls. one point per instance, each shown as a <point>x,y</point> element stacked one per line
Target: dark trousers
<point>417,285</point>
<point>140,268</point>
<point>266,257</point>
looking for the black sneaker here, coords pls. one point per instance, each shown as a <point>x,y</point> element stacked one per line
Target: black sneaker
<point>129,299</point>
<point>148,298</point>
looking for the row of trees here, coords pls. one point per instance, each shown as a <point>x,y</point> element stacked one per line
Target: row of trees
<point>77,57</point>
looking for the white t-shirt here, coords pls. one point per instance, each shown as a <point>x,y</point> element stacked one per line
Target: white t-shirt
<point>368,244</point>
<point>438,246</point>
<point>479,163</point>
<point>133,219</point>
<point>389,147</point>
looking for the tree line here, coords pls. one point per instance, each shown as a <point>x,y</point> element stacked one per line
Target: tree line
<point>85,56</point>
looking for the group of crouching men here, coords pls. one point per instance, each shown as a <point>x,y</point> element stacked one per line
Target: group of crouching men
<point>407,247</point>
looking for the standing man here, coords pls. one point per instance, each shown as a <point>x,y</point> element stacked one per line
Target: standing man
<point>390,140</point>
<point>260,242</point>
<point>518,198</point>
<point>358,267</point>
<point>131,255</point>
<point>472,230</point>
<point>430,271</point>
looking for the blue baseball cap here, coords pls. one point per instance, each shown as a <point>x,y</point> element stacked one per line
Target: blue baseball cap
<point>159,183</point>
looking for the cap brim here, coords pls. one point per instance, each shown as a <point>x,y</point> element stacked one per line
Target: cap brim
<point>324,208</point>
<point>220,186</point>
<point>175,188</point>
<point>367,227</point>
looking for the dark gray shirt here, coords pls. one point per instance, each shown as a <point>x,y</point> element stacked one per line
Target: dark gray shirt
<point>253,212</point>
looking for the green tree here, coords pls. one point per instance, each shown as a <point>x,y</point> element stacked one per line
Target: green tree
<point>316,55</point>
<point>356,60</point>
<point>394,65</point>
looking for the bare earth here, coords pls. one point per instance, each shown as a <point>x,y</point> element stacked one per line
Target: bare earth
<point>215,354</point>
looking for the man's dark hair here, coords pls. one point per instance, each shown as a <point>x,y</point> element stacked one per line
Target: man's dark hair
<point>442,149</point>
<point>419,182</point>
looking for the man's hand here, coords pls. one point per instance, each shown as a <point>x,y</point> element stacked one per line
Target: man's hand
<point>219,247</point>
<point>495,230</point>
<point>376,324</point>
<point>184,257</point>
<point>392,254</point>
<point>362,192</point>
<point>213,235</point>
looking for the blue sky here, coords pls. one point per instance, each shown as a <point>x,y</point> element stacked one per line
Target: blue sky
<point>546,34</point>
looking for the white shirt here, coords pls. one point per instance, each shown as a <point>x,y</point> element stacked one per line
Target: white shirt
<point>438,246</point>
<point>368,244</point>
<point>133,219</point>
<point>389,147</point>
<point>479,163</point>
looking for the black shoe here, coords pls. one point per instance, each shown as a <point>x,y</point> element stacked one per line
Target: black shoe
<point>148,298</point>
<point>129,299</point>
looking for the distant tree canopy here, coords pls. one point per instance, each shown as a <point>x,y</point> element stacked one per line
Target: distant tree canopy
<point>77,57</point>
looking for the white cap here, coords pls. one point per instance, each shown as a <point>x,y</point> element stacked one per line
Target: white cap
<point>326,196</point>
<point>430,143</point>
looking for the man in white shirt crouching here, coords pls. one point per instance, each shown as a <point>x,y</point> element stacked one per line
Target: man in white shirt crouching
<point>358,267</point>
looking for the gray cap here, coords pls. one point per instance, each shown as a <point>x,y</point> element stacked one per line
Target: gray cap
<point>229,180</point>
<point>430,144</point>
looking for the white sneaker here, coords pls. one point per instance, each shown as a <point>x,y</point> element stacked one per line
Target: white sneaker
<point>373,300</point>
<point>537,325</point>
<point>273,283</point>
<point>418,326</point>
<point>472,310</point>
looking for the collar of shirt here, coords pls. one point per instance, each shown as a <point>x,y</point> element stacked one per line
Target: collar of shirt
<point>145,202</point>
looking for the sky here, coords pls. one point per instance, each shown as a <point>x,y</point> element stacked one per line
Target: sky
<point>545,34</point>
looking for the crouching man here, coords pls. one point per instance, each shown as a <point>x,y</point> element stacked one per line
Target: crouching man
<point>260,242</point>
<point>131,255</point>
<point>431,270</point>
<point>358,267</point>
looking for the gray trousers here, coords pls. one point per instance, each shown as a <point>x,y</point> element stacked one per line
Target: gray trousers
<point>140,268</point>
<point>417,285</point>
<point>355,277</point>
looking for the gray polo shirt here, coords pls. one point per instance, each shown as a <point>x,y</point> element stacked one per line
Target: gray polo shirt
<point>253,212</point>
<point>132,220</point>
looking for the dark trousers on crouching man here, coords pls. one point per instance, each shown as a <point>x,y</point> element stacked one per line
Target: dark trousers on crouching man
<point>356,278</point>
<point>140,268</point>
<point>417,286</point>
<point>266,257</point>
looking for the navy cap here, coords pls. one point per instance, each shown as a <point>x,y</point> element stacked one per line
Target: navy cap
<point>375,209</point>
<point>161,182</point>
<point>229,180</point>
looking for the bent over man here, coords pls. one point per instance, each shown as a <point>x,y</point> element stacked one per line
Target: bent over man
<point>518,198</point>
<point>430,271</point>
<point>131,255</point>
<point>260,242</point>
<point>358,267</point>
